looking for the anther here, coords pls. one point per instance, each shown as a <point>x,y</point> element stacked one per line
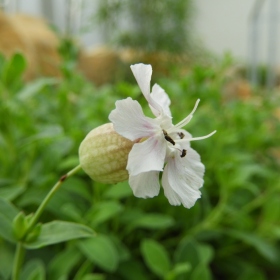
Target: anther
<point>168,138</point>
<point>184,153</point>
<point>181,135</point>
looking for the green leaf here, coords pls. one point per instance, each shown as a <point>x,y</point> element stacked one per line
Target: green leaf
<point>156,257</point>
<point>94,277</point>
<point>7,214</point>
<point>11,192</point>
<point>131,267</point>
<point>78,187</point>
<point>271,211</point>
<point>102,251</point>
<point>60,231</point>
<point>153,221</point>
<point>104,211</point>
<point>188,252</point>
<point>35,87</point>
<point>119,191</point>
<point>15,68</point>
<point>206,253</point>
<point>180,269</point>
<point>251,272</point>
<point>33,270</point>
<point>262,246</point>
<point>6,260</point>
<point>63,262</point>
<point>201,272</point>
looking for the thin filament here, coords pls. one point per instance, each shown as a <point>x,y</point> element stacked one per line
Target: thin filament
<point>188,118</point>
<point>196,138</point>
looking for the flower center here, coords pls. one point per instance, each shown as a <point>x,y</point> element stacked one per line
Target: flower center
<point>170,140</point>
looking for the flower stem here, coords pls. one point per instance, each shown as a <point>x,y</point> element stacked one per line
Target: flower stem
<point>44,203</point>
<point>20,249</point>
<point>18,260</point>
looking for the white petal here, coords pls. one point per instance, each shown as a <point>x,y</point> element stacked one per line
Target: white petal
<point>145,184</point>
<point>182,178</point>
<point>147,156</point>
<point>172,196</point>
<point>161,97</point>
<point>194,167</point>
<point>130,122</point>
<point>143,73</point>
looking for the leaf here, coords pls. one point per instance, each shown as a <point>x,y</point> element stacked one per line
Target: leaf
<point>94,277</point>
<point>134,268</point>
<point>46,132</point>
<point>102,251</point>
<point>35,87</point>
<point>119,191</point>
<point>11,192</point>
<point>15,68</point>
<point>206,253</point>
<point>180,269</point>
<point>188,252</point>
<point>33,270</point>
<point>63,262</point>
<point>6,260</point>
<point>201,272</point>
<point>59,231</point>
<point>156,257</point>
<point>263,247</point>
<point>251,272</point>
<point>153,221</point>
<point>104,211</point>
<point>7,214</point>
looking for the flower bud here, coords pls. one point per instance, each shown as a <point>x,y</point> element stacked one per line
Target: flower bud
<point>103,155</point>
<point>20,224</point>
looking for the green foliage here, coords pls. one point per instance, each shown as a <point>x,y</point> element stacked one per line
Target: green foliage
<point>149,25</point>
<point>232,232</point>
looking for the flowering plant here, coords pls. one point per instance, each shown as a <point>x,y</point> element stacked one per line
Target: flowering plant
<point>159,145</point>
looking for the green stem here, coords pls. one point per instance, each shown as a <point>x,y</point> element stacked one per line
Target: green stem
<point>20,249</point>
<point>18,260</point>
<point>44,203</point>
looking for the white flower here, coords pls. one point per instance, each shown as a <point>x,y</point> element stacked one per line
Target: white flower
<point>159,145</point>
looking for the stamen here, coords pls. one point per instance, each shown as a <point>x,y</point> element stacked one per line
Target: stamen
<point>181,135</point>
<point>168,138</point>
<point>184,121</point>
<point>196,138</point>
<point>184,153</point>
<point>189,117</point>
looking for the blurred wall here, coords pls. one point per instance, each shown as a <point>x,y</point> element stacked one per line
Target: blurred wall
<point>226,25</point>
<point>222,25</point>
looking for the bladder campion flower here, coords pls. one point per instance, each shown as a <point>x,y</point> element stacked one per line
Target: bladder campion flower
<point>159,145</point>
<point>137,147</point>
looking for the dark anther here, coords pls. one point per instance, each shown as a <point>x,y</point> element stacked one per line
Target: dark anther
<point>181,135</point>
<point>168,138</point>
<point>184,152</point>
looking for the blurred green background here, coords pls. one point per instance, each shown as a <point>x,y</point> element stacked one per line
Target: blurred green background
<point>232,232</point>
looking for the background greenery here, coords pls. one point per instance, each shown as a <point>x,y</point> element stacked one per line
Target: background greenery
<point>145,25</point>
<point>232,232</point>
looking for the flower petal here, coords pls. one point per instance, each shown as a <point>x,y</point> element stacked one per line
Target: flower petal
<point>161,97</point>
<point>194,168</point>
<point>145,184</point>
<point>147,156</point>
<point>130,122</point>
<point>182,178</point>
<point>143,73</point>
